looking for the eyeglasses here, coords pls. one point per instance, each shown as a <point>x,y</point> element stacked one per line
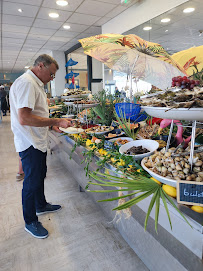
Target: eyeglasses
<point>52,75</point>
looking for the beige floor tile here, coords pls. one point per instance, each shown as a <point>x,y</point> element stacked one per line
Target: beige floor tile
<point>80,237</point>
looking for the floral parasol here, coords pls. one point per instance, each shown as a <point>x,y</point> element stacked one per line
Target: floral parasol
<point>131,54</point>
<point>191,59</point>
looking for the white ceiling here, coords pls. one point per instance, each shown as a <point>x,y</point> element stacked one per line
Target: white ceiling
<point>183,29</point>
<point>26,35</point>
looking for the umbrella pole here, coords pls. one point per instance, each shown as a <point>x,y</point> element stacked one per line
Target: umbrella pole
<point>131,89</point>
<point>131,78</point>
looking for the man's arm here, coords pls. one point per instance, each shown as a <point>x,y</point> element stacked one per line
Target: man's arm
<point>26,117</point>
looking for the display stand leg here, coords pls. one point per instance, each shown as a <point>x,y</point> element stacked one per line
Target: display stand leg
<point>86,118</point>
<point>78,111</point>
<point>192,143</point>
<point>169,136</point>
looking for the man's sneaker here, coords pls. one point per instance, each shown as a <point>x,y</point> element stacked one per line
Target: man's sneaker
<point>36,229</point>
<point>49,208</point>
<point>20,177</point>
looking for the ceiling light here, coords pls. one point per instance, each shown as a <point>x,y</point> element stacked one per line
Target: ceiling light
<point>62,3</point>
<point>166,30</point>
<point>20,10</point>
<point>147,28</point>
<point>27,67</point>
<point>188,10</point>
<point>166,20</point>
<point>53,15</point>
<point>65,26</point>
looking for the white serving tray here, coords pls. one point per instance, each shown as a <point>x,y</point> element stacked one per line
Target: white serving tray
<point>68,103</point>
<point>99,133</point>
<point>175,113</point>
<point>149,144</point>
<point>67,116</point>
<point>74,96</point>
<point>160,178</point>
<point>122,138</point>
<point>85,105</point>
<point>71,130</point>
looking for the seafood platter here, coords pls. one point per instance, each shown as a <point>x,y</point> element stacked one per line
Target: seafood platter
<point>169,167</point>
<point>114,134</point>
<point>85,103</point>
<point>75,94</point>
<point>99,130</point>
<point>120,141</point>
<point>71,130</point>
<point>147,131</point>
<point>175,103</point>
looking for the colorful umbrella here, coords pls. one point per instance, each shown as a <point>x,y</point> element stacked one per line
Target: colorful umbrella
<point>191,59</point>
<point>71,74</point>
<point>131,54</point>
<point>71,63</point>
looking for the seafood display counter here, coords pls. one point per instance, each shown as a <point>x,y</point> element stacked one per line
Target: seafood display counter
<point>178,249</point>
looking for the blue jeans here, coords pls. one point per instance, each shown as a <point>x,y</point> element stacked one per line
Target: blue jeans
<point>35,168</point>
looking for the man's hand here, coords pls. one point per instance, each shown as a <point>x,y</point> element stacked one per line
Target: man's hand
<point>56,129</point>
<point>64,123</point>
<point>26,117</point>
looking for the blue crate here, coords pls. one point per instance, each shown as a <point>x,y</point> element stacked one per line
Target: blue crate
<point>128,110</point>
<point>141,117</point>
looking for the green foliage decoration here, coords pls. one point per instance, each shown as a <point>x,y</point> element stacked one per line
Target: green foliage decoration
<point>105,108</point>
<point>125,124</point>
<point>141,185</point>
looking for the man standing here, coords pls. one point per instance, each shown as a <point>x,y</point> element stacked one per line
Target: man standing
<point>29,123</point>
<point>3,100</point>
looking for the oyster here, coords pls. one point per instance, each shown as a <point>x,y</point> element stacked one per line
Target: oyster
<point>183,98</point>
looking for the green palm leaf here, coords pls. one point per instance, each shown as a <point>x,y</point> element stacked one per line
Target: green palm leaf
<point>157,208</point>
<point>150,207</point>
<point>173,204</point>
<point>125,124</point>
<point>166,207</point>
<point>121,197</point>
<point>137,199</point>
<point>109,191</point>
<point>140,181</point>
<point>137,184</point>
<point>130,179</point>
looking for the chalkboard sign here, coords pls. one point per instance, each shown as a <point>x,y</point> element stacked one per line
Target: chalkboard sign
<point>190,193</point>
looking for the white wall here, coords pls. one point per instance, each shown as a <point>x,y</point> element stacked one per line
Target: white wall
<point>141,12</point>
<point>96,69</point>
<point>58,84</point>
<point>96,87</point>
<point>96,74</point>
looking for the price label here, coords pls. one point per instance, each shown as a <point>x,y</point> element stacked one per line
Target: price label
<point>190,193</point>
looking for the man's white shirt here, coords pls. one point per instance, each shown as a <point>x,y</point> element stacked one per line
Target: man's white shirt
<point>28,91</point>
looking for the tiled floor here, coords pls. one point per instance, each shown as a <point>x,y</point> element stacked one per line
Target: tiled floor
<point>81,239</point>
